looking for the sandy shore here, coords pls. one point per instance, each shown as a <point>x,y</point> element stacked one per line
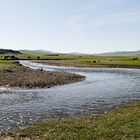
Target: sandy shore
<point>24,77</point>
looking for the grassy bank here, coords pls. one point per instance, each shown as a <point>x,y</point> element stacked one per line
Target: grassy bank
<point>8,64</point>
<point>122,123</point>
<point>94,61</point>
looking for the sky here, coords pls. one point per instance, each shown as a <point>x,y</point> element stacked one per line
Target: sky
<point>87,26</point>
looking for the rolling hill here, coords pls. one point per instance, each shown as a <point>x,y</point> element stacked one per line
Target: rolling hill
<point>9,51</point>
<point>127,53</point>
<point>35,52</point>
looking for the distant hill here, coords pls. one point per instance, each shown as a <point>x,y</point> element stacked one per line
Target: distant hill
<point>36,52</point>
<point>9,51</point>
<point>79,53</point>
<point>128,53</point>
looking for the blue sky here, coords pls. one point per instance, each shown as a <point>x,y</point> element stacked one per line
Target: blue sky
<point>88,26</point>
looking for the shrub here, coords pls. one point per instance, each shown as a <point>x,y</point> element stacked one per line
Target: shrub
<point>38,57</point>
<point>135,58</point>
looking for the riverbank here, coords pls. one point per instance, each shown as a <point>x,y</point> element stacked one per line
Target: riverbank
<point>23,77</point>
<point>97,63</point>
<point>121,123</point>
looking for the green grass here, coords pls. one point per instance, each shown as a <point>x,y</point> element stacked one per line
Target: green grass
<point>89,60</point>
<point>111,61</point>
<point>42,56</point>
<point>122,123</point>
<point>83,60</point>
<point>6,64</point>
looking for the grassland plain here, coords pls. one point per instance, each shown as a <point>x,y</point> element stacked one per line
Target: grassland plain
<point>93,61</point>
<point>123,123</point>
<point>80,60</point>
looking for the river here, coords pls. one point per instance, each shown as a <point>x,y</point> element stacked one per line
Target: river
<point>102,90</point>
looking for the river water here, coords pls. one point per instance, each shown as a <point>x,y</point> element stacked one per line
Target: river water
<point>102,90</point>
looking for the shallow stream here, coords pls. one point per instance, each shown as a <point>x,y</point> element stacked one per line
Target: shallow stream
<point>103,89</point>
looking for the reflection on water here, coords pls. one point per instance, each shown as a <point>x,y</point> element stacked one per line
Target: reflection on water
<point>102,90</point>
